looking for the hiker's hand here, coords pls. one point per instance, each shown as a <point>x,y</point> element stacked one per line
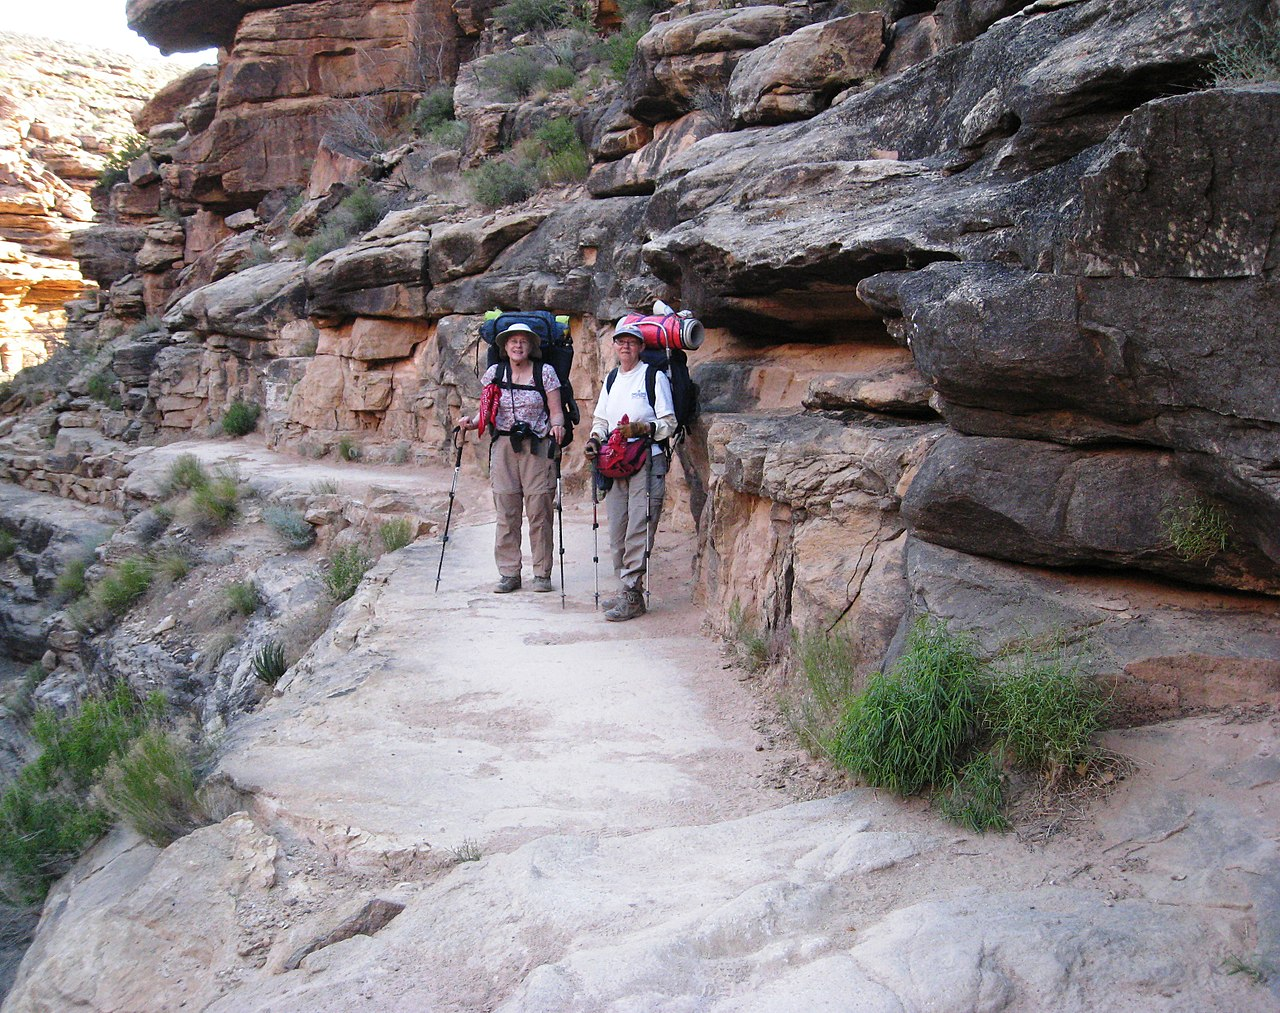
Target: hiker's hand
<point>467,423</point>
<point>634,430</point>
<point>557,432</point>
<point>591,449</point>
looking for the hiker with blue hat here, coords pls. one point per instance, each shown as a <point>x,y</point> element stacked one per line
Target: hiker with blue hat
<point>528,431</point>
<point>627,449</point>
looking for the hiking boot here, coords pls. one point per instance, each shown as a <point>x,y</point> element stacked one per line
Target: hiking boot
<point>630,605</point>
<point>507,584</point>
<point>541,584</point>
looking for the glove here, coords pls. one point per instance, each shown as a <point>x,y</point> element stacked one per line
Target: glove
<point>633,430</point>
<point>591,449</point>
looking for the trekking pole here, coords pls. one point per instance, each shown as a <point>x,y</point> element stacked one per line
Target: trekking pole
<point>648,523</point>
<point>459,438</point>
<point>595,528</point>
<point>560,511</point>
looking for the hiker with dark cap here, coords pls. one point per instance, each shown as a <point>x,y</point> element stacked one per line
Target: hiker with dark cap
<point>625,418</point>
<point>527,433</point>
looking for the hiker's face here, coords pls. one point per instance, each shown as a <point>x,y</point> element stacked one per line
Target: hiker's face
<point>518,348</point>
<point>628,348</point>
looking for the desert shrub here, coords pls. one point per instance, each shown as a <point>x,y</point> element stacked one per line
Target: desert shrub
<point>558,78</point>
<point>467,851</point>
<point>1042,713</point>
<point>324,487</point>
<point>396,534</point>
<point>185,473</point>
<point>215,504</point>
<point>518,16</point>
<point>974,797</point>
<point>102,388</point>
<point>173,566</point>
<point>401,452</point>
<point>748,644</point>
<point>70,584</point>
<point>499,183</point>
<point>126,149</point>
<point>825,660</point>
<point>451,135</point>
<point>1194,528</point>
<point>433,109</point>
<point>913,726</point>
<point>290,525</point>
<point>46,816</point>
<point>349,450</point>
<point>515,75</point>
<point>558,134</point>
<point>1253,59</point>
<point>619,50</point>
<point>356,213</point>
<point>122,585</point>
<point>269,663</point>
<point>241,418</point>
<point>569,166</point>
<point>345,571</point>
<point>243,597</point>
<point>152,787</point>
<point>8,544</point>
<point>361,127</point>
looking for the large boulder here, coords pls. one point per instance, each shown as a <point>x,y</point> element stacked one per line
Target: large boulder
<point>255,303</point>
<point>796,76</point>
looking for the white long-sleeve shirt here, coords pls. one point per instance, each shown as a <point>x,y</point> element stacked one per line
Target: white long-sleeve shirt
<point>628,397</point>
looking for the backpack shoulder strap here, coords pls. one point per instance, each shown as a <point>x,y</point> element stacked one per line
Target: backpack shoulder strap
<point>541,385</point>
<point>651,385</point>
<point>608,380</point>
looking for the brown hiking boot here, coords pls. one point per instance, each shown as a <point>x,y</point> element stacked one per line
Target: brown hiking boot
<point>630,605</point>
<point>507,584</point>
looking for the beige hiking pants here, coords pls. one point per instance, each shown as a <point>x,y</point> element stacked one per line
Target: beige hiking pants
<point>522,481</point>
<point>626,503</point>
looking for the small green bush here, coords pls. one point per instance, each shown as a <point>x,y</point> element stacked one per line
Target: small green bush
<point>748,644</point>
<point>974,797</point>
<point>911,727</point>
<point>126,149</point>
<point>515,75</point>
<point>498,183</point>
<point>558,78</point>
<point>243,597</point>
<point>216,504</point>
<point>8,544</point>
<point>349,450</point>
<point>241,418</point>
<point>518,16</point>
<point>46,819</point>
<point>152,787</point>
<point>173,565</point>
<point>451,136</point>
<point>619,50</point>
<point>433,109</point>
<point>830,680</point>
<point>1195,528</point>
<point>324,487</point>
<point>122,585</point>
<point>345,571</point>
<point>396,534</point>
<point>102,388</point>
<point>269,663</point>
<point>290,525</point>
<point>1043,713</point>
<point>356,213</point>
<point>569,166</point>
<point>558,134</point>
<point>70,584</point>
<point>186,473</point>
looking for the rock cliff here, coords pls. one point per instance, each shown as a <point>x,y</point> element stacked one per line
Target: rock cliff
<point>63,111</point>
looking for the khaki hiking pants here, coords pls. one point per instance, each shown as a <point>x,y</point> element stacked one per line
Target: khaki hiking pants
<point>528,481</point>
<point>626,504</point>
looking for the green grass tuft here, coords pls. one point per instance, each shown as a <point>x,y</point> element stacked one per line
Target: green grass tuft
<point>974,797</point>
<point>152,787</point>
<point>396,534</point>
<point>243,597</point>
<point>345,571</point>
<point>241,418</point>
<point>1195,528</point>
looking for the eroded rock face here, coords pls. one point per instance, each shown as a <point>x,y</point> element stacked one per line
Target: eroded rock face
<point>62,109</point>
